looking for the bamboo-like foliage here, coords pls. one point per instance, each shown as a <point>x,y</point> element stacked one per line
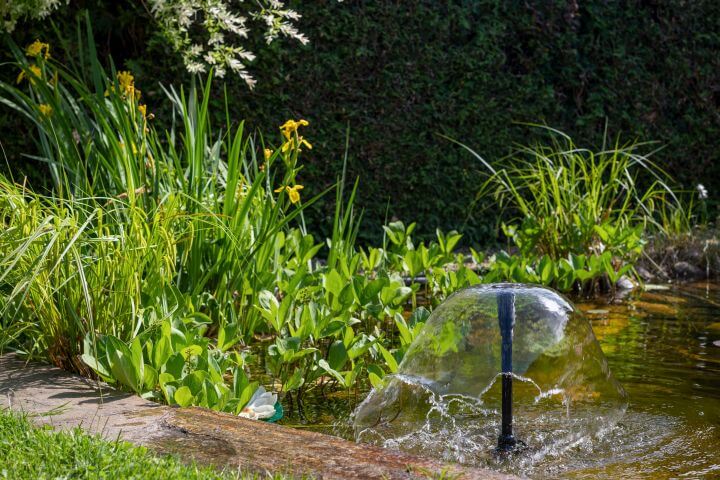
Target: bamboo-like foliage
<point>135,218</point>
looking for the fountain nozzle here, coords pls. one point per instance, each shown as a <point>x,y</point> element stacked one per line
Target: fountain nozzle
<point>506,319</point>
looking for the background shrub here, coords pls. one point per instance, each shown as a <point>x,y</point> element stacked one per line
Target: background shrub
<point>397,73</point>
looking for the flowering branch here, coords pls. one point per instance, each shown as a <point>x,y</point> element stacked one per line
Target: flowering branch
<point>208,34</point>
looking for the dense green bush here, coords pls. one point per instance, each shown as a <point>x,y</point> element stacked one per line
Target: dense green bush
<point>397,73</point>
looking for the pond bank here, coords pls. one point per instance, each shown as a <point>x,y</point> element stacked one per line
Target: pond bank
<point>54,397</point>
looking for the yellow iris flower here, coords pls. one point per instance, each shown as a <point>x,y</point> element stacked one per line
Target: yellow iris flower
<point>38,48</point>
<point>293,192</point>
<point>126,80</point>
<point>291,126</point>
<point>290,144</point>
<point>35,72</point>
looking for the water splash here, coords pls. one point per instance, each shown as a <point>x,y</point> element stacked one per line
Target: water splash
<point>445,399</point>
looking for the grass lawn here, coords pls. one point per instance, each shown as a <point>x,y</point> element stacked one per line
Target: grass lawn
<point>29,452</point>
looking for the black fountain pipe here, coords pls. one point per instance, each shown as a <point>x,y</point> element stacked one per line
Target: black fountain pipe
<point>506,319</point>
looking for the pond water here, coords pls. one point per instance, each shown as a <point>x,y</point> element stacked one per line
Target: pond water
<point>663,345</point>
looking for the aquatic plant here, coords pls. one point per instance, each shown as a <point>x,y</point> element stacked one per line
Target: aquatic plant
<point>568,204</point>
<point>190,234</point>
<point>162,262</point>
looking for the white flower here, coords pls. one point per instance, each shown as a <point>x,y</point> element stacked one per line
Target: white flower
<point>702,191</point>
<point>260,406</point>
<point>207,33</point>
<point>195,51</point>
<point>195,67</point>
<point>12,11</point>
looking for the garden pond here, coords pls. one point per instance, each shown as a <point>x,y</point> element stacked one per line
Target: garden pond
<point>663,345</point>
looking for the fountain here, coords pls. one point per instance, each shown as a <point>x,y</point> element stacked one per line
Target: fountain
<point>499,373</point>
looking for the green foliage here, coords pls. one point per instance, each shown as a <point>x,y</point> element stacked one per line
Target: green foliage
<point>158,257</point>
<point>587,274</point>
<point>174,362</point>
<point>29,453</point>
<point>139,230</point>
<point>576,215</point>
<point>563,199</point>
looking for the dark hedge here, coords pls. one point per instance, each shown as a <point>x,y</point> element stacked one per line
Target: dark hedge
<point>400,72</point>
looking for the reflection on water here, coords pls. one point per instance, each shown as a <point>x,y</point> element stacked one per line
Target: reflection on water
<point>662,347</point>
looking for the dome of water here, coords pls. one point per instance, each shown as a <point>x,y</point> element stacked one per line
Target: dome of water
<point>446,398</point>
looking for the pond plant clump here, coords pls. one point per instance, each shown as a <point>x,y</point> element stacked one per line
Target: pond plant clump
<point>174,263</point>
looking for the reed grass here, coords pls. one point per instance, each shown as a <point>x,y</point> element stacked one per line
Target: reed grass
<point>139,223</point>
<point>561,199</point>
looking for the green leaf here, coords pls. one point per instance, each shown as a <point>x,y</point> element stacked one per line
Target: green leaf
<point>405,336</point>
<point>212,398</point>
<point>324,365</point>
<point>295,381</point>
<point>194,381</point>
<point>337,355</point>
<point>121,364</point>
<point>150,378</point>
<point>227,336</point>
<point>347,295</point>
<point>183,396</point>
<point>97,367</point>
<point>137,359</point>
<point>360,345</point>
<point>191,351</point>
<point>375,381</point>
<point>174,365</point>
<point>240,381</point>
<point>546,270</point>
<point>214,369</point>
<point>334,283</point>
<point>168,390</point>
<point>161,352</point>
<point>602,233</point>
<point>348,336</point>
<point>389,359</point>
<point>376,369</point>
<point>164,378</point>
<point>246,395</point>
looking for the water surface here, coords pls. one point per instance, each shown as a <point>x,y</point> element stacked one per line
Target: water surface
<point>663,345</point>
